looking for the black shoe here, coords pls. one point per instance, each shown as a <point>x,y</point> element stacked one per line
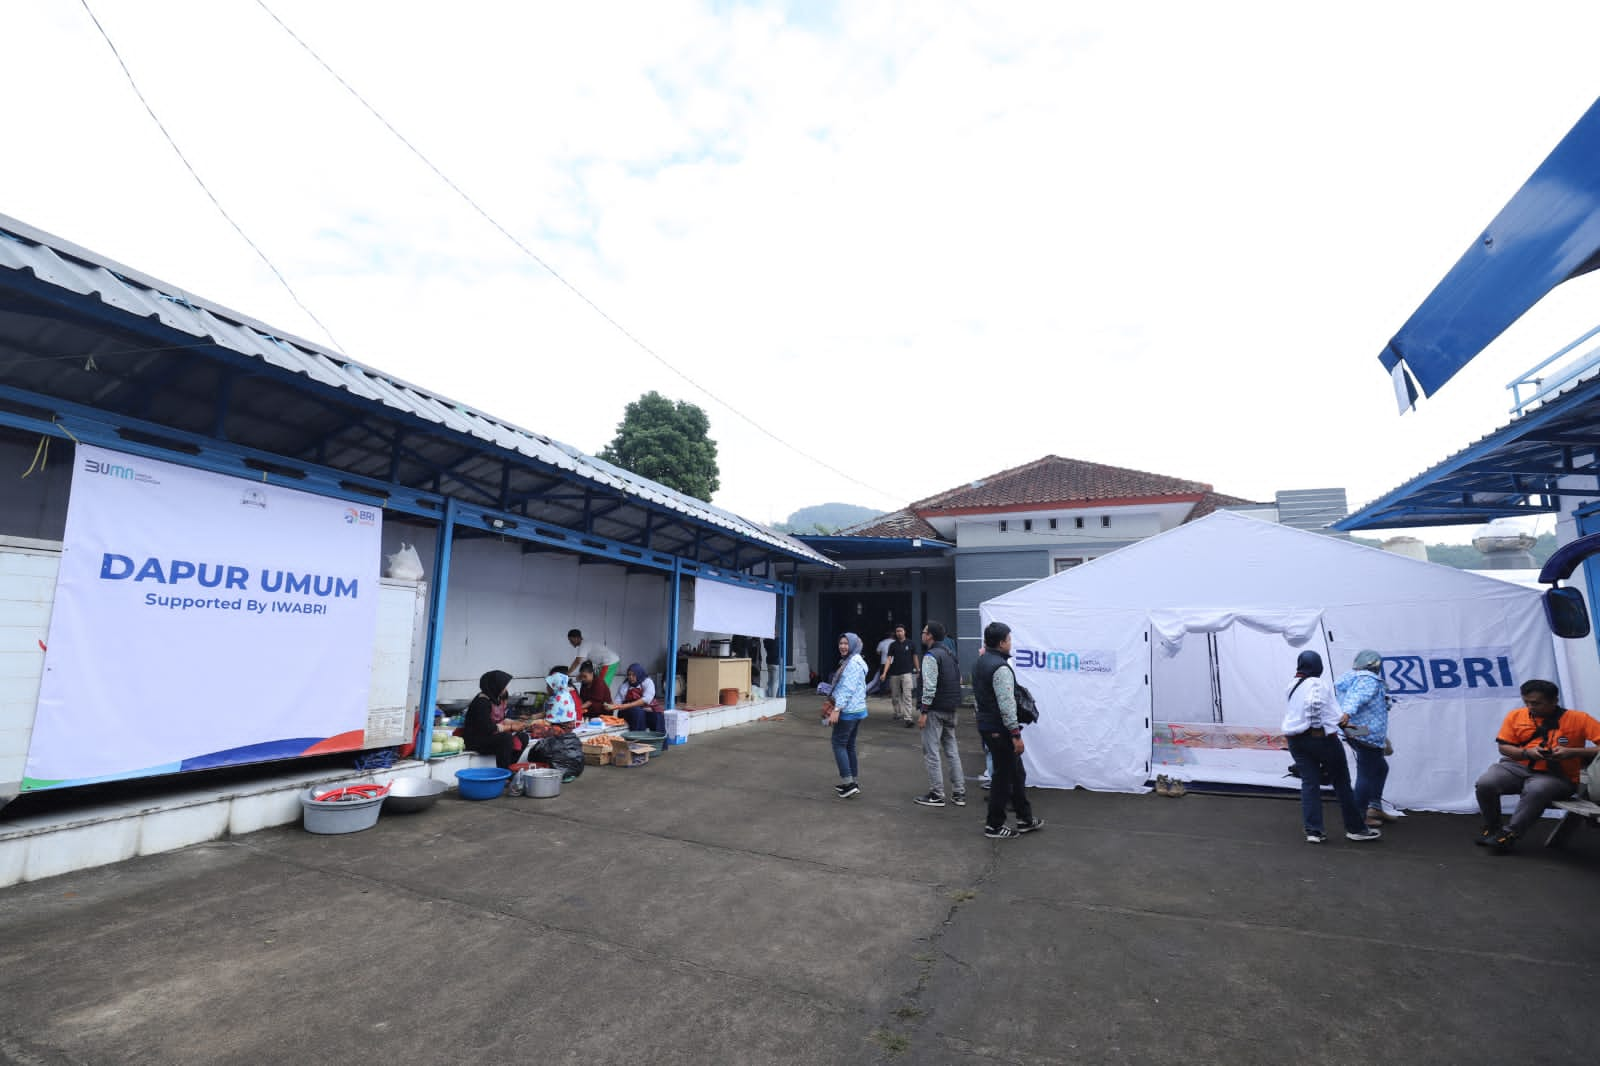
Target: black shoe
<point>959,799</point>
<point>1032,825</point>
<point>1503,841</point>
<point>931,799</point>
<point>910,723</point>
<point>1486,836</point>
<point>999,832</point>
<point>846,791</point>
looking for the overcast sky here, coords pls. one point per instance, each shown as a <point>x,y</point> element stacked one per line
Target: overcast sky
<point>919,242</point>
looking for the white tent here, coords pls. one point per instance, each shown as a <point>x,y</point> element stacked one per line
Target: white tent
<point>1173,656</point>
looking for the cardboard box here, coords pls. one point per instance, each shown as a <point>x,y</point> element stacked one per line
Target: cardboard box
<point>627,755</point>
<point>597,754</point>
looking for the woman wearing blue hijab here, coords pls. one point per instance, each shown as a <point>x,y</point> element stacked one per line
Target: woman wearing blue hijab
<point>845,707</point>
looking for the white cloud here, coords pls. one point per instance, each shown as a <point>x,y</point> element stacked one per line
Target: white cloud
<point>921,242</point>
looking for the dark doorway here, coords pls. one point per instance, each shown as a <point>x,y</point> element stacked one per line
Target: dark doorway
<point>869,615</point>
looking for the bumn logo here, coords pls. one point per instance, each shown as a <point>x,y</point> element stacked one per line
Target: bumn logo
<point>117,470</point>
<point>1083,662</point>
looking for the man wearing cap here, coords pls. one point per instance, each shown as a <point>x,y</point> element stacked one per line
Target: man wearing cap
<point>1364,700</point>
<point>1543,746</point>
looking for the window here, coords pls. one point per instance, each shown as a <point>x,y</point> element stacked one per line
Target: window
<point>1002,525</point>
<point>1105,521</point>
<point>1052,523</point>
<point>1077,523</point>
<point>1065,563</point>
<point>1027,525</point>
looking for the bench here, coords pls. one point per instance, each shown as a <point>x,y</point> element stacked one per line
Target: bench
<point>1576,810</point>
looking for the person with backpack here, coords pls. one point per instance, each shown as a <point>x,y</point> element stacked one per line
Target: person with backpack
<point>1364,699</point>
<point>1543,747</point>
<point>941,696</point>
<point>994,688</point>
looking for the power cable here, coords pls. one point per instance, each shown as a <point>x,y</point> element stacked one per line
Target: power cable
<point>641,345</point>
<point>200,182</point>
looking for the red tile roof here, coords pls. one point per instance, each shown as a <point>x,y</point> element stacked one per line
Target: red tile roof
<point>1212,501</point>
<point>901,523</point>
<point>1056,481</point>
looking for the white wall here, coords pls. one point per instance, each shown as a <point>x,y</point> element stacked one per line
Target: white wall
<point>1126,525</point>
<point>507,610</point>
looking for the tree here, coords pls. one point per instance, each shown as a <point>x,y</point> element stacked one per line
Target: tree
<point>666,441</point>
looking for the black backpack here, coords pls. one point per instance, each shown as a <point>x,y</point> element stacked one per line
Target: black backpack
<point>1027,709</point>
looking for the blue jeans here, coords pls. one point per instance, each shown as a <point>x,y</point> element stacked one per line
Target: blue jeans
<point>1319,760</point>
<point>844,747</point>
<point>1372,770</point>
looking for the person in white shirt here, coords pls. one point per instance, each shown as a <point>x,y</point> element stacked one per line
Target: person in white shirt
<point>1311,724</point>
<point>605,660</point>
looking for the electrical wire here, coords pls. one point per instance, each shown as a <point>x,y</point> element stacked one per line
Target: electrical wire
<point>200,182</point>
<point>531,254</point>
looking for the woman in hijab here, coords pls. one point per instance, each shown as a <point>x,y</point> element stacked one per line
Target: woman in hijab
<point>1311,724</point>
<point>486,729</point>
<point>638,700</point>
<point>844,709</point>
<point>551,739</point>
<point>1365,701</point>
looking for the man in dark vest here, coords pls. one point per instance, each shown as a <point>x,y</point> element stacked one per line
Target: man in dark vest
<point>994,689</point>
<point>941,696</point>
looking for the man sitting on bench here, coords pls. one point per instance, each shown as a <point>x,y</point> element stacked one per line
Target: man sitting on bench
<point>1542,750</point>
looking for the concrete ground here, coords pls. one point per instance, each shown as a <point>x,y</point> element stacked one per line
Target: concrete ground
<point>722,906</point>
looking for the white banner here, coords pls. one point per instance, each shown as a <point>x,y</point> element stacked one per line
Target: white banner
<point>731,609</point>
<point>202,620</point>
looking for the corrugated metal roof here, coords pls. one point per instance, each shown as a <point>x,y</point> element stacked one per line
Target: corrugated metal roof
<point>60,263</point>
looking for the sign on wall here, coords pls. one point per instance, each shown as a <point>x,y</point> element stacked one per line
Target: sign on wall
<point>202,620</point>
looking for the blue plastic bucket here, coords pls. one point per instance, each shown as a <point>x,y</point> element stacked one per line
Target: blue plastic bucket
<point>481,784</point>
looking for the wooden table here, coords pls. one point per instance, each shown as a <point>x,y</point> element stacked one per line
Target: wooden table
<point>708,676</point>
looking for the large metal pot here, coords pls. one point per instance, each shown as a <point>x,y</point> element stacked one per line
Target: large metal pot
<point>411,794</point>
<point>542,783</point>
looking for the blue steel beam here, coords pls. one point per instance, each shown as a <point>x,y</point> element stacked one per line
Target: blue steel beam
<point>670,682</point>
<point>437,595</point>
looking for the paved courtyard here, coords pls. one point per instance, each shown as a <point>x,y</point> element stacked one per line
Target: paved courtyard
<point>722,906</point>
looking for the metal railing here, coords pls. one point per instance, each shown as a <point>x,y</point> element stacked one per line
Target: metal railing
<point>1548,384</point>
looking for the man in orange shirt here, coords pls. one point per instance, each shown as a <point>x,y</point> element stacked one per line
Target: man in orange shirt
<point>1542,750</point>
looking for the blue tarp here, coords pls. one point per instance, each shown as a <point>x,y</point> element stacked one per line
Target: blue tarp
<point>1548,233</point>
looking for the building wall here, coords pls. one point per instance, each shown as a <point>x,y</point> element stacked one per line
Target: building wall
<point>983,575</point>
<point>1100,532</point>
<point>34,506</point>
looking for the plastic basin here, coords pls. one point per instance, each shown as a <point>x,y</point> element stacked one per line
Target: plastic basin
<point>656,741</point>
<point>338,816</point>
<point>481,783</point>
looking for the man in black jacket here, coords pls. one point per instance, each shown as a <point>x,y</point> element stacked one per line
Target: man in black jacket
<point>941,696</point>
<point>994,688</point>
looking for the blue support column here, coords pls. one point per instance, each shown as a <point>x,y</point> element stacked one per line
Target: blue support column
<point>436,598</point>
<point>783,644</point>
<point>670,682</point>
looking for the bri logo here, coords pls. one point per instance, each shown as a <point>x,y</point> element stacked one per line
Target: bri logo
<point>118,471</point>
<point>360,516</point>
<point>1471,673</point>
<point>1082,662</point>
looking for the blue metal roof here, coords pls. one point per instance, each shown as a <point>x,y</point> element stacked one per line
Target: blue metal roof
<point>1548,233</point>
<point>1516,470</point>
<point>848,547</point>
<point>76,327</point>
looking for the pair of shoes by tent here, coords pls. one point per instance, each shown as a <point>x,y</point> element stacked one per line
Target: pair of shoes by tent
<point>1169,786</point>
